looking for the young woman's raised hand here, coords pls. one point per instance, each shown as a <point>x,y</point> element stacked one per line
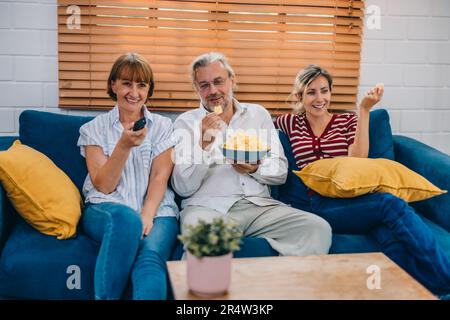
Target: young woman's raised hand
<point>372,97</point>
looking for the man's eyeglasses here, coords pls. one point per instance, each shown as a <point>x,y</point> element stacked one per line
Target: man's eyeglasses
<point>218,83</point>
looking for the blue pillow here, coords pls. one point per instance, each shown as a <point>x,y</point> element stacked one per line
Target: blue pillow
<point>295,193</point>
<point>56,136</point>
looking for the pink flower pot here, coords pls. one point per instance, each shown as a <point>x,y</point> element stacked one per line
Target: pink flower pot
<point>208,276</point>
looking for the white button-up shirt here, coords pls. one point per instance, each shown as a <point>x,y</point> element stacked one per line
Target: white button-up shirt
<point>204,178</point>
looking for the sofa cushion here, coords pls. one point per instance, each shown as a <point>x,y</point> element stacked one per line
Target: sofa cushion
<point>40,191</point>
<point>354,243</point>
<point>37,266</point>
<point>250,247</point>
<point>349,177</point>
<point>435,166</point>
<point>56,136</point>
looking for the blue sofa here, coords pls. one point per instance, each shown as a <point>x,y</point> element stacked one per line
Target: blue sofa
<point>37,266</point>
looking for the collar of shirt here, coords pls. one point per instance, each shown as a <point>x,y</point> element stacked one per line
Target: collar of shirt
<point>115,120</point>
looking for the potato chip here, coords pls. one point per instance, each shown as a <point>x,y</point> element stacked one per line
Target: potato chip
<point>242,141</point>
<point>218,109</point>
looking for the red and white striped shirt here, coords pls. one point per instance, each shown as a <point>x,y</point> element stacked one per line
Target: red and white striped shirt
<point>334,141</point>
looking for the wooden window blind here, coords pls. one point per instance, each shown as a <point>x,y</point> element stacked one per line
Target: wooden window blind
<point>266,41</point>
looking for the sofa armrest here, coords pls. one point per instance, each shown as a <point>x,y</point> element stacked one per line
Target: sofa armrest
<point>6,211</point>
<point>6,142</point>
<point>434,166</point>
<point>2,218</point>
<point>7,217</point>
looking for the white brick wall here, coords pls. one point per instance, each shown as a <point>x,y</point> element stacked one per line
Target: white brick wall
<point>410,54</point>
<point>28,60</point>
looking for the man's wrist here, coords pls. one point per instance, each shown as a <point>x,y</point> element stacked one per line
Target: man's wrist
<point>255,171</point>
<point>206,146</point>
<point>206,154</point>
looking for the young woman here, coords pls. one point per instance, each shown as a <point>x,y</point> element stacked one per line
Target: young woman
<point>316,134</point>
<point>127,200</point>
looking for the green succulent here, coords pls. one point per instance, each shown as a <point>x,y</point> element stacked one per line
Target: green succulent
<point>212,239</point>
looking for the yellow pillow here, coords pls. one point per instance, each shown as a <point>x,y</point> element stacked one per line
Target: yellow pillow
<point>347,177</point>
<point>40,192</point>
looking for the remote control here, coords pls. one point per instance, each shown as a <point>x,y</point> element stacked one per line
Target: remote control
<point>140,124</point>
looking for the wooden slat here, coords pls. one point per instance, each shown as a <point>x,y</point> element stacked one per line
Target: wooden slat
<point>159,53</point>
<point>256,69</point>
<point>206,34</point>
<point>211,25</point>
<point>107,59</point>
<point>231,52</point>
<point>96,42</point>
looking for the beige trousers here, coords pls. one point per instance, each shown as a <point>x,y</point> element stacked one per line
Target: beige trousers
<point>289,231</point>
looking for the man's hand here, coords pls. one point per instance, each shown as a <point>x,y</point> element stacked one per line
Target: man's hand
<point>245,168</point>
<point>372,97</point>
<point>209,127</point>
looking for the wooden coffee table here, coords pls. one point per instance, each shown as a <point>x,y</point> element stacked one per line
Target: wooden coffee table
<point>337,276</point>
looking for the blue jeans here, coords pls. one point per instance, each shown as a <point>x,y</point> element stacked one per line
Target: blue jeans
<point>403,236</point>
<point>118,230</point>
<point>149,274</point>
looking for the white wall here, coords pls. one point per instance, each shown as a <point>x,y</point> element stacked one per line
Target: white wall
<point>28,59</point>
<point>410,54</point>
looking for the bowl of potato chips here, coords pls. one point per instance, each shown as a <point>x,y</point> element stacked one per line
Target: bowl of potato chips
<point>244,148</point>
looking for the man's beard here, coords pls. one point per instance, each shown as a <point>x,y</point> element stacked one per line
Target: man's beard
<point>223,104</point>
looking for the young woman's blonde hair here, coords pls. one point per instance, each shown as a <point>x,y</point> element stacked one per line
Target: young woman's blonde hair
<point>133,67</point>
<point>303,80</point>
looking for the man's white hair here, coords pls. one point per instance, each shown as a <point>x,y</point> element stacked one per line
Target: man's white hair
<point>208,58</point>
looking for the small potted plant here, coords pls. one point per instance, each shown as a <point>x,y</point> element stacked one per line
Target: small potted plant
<point>209,248</point>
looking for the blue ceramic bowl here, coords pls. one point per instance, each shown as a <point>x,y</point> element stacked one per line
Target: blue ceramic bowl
<point>244,156</point>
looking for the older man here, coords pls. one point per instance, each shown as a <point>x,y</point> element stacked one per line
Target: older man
<point>238,191</point>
